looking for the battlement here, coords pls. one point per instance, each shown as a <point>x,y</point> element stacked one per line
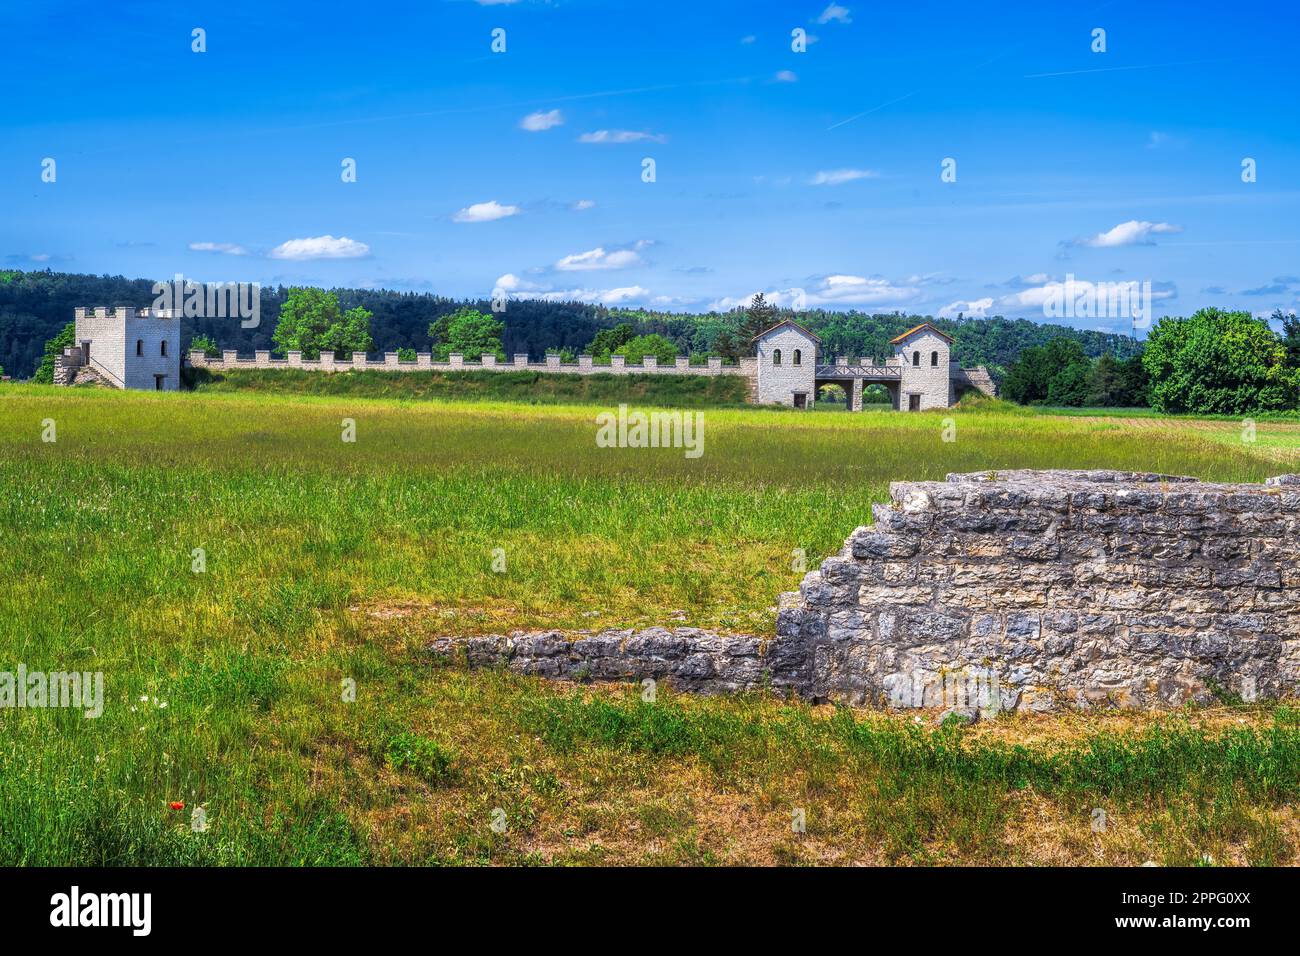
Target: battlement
<point>230,360</point>
<point>123,313</point>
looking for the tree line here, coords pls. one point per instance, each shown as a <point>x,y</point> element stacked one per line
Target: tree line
<point>1214,362</point>
<point>35,306</point>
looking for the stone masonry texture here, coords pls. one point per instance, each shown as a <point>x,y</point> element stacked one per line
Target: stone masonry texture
<point>1040,589</point>
<point>687,658</point>
<point>1014,590</point>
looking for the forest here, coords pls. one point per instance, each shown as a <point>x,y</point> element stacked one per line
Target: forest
<point>35,305</point>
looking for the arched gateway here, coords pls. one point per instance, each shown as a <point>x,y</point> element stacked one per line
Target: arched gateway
<point>920,375</point>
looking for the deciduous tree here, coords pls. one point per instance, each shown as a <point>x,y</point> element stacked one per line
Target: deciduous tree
<point>468,332</point>
<point>1218,362</point>
<point>53,349</point>
<point>635,351</point>
<point>311,323</point>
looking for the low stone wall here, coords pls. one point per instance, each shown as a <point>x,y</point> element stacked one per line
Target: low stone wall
<point>977,378</point>
<point>1016,590</point>
<point>688,658</point>
<point>424,362</point>
<point>66,366</point>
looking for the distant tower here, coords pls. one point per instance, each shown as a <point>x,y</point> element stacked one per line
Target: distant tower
<point>124,348</point>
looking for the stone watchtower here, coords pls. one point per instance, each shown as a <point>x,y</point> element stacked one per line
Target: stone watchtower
<point>123,348</point>
<point>787,365</point>
<point>925,356</point>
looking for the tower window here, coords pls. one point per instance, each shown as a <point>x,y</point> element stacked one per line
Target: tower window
<point>164,348</point>
<point>934,359</point>
<point>139,347</point>
<point>798,357</point>
<point>776,356</point>
<point>916,359</point>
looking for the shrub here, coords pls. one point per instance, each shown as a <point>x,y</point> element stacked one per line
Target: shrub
<point>423,757</point>
<point>204,344</point>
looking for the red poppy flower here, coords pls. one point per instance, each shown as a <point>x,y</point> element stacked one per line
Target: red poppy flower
<point>178,804</point>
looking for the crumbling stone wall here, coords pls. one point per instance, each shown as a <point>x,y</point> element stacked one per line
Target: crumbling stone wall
<point>1017,590</point>
<point>688,658</point>
<point>1032,590</point>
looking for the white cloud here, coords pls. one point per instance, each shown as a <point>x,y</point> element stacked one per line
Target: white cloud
<point>598,258</point>
<point>786,76</point>
<point>837,177</point>
<point>838,289</point>
<point>229,248</point>
<point>514,287</point>
<point>977,308</point>
<point>1073,290</point>
<point>621,136</point>
<point>510,283</point>
<point>583,204</point>
<point>873,291</point>
<point>1035,278</point>
<point>37,258</point>
<point>485,212</point>
<point>321,247</point>
<point>929,278</point>
<point>631,293</point>
<point>539,121</point>
<point>835,12</point>
<point>1132,233</point>
<point>748,39</point>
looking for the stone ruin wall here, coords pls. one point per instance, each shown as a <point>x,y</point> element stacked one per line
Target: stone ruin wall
<point>1015,590</point>
<point>1033,590</point>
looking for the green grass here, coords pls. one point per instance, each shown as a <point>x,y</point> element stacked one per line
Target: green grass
<point>328,561</point>
<point>1143,412</point>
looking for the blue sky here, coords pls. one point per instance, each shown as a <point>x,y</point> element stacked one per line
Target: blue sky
<point>814,176</point>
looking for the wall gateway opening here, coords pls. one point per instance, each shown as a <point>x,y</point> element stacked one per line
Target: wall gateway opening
<point>800,399</point>
<point>913,402</point>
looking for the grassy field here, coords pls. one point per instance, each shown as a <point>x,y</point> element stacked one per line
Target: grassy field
<point>328,560</point>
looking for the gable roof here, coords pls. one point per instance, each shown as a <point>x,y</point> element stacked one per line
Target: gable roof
<point>918,328</point>
<point>786,322</point>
